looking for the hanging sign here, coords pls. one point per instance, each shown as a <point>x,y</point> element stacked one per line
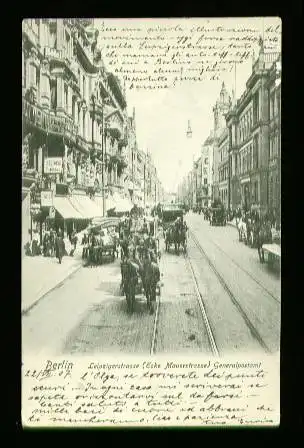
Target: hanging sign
<point>53,165</point>
<point>46,198</point>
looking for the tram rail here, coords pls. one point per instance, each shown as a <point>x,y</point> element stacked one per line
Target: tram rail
<point>232,297</point>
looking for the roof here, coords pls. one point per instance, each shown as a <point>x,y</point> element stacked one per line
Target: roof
<point>210,139</point>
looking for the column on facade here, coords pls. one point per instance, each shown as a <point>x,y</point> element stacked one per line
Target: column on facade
<point>80,123</point>
<point>42,34</point>
<point>60,34</point>
<point>60,93</point>
<point>31,68</point>
<point>88,126</point>
<point>45,93</point>
<point>70,100</point>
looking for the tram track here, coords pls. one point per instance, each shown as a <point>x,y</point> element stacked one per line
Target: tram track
<point>245,271</point>
<point>200,301</point>
<point>203,309</point>
<point>256,335</point>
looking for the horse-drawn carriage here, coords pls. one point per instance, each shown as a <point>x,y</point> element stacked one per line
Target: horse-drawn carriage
<point>170,213</point>
<point>101,241</point>
<point>176,235</point>
<point>140,277</point>
<point>217,216</point>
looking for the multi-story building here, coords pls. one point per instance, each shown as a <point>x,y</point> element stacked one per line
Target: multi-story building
<point>222,106</point>
<point>74,121</point>
<point>274,168</point>
<point>207,170</point>
<point>249,138</point>
<point>223,167</point>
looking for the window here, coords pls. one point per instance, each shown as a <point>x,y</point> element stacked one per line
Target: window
<point>53,88</point>
<point>53,35</point>
<point>256,152</point>
<point>74,108</point>
<point>66,97</point>
<point>206,161</point>
<point>205,181</point>
<point>83,86</point>
<point>256,108</point>
<point>83,126</point>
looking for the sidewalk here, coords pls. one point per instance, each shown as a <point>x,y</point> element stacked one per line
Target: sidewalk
<point>42,274</point>
<point>232,223</point>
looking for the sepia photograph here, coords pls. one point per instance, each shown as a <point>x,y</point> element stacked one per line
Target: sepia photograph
<point>151,197</point>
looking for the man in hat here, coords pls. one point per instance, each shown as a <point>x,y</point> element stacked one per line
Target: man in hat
<point>60,246</point>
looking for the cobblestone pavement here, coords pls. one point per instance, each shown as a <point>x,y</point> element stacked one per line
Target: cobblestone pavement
<point>87,314</point>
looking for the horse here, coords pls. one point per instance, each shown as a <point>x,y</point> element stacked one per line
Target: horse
<point>264,236</point>
<point>171,237</point>
<point>150,274</point>
<point>242,229</point>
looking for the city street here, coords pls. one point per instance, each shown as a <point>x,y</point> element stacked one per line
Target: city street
<point>241,297</point>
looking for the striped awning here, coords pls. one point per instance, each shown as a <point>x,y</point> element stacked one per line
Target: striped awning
<point>86,207</point>
<point>65,208</point>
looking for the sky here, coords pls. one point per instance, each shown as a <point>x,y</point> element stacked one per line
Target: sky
<point>162,117</point>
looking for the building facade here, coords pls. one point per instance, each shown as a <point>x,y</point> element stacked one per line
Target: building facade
<point>207,170</point>
<point>76,129</point>
<point>221,108</point>
<point>223,167</point>
<point>254,139</point>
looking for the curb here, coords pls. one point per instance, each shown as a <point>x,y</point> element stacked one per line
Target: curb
<point>30,307</point>
<point>231,225</point>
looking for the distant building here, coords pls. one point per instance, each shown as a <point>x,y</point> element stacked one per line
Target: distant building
<point>222,106</point>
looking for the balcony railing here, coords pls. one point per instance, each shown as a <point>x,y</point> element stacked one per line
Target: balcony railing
<point>52,53</point>
<point>47,122</point>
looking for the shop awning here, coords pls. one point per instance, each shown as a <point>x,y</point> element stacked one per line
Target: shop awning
<point>86,207</point>
<point>99,203</point>
<point>65,208</point>
<point>122,205</point>
<point>110,203</point>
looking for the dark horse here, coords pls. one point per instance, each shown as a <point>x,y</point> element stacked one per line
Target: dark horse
<point>132,271</point>
<point>173,236</point>
<point>150,274</point>
<point>263,237</point>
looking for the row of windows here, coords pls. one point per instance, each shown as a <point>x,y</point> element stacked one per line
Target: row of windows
<point>245,125</point>
<point>224,195</point>
<point>273,190</point>
<point>223,153</point>
<point>223,174</point>
<point>274,105</point>
<point>273,146</point>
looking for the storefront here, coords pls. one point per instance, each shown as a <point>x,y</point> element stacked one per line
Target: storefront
<point>26,217</point>
<point>85,206</point>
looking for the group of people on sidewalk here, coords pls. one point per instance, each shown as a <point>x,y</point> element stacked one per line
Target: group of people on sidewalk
<point>255,230</point>
<point>53,244</point>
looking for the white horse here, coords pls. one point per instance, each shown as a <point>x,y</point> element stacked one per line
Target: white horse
<point>242,229</point>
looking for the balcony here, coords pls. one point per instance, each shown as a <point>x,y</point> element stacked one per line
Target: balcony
<point>123,142</point>
<point>35,116</point>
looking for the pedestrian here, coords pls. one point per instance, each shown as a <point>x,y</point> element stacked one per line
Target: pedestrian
<point>60,246</point>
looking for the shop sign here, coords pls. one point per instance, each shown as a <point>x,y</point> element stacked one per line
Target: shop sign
<point>52,212</point>
<point>53,165</point>
<point>46,198</point>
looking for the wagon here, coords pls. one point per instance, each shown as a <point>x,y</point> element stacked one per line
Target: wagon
<point>170,213</point>
<point>273,252</point>
<point>218,217</point>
